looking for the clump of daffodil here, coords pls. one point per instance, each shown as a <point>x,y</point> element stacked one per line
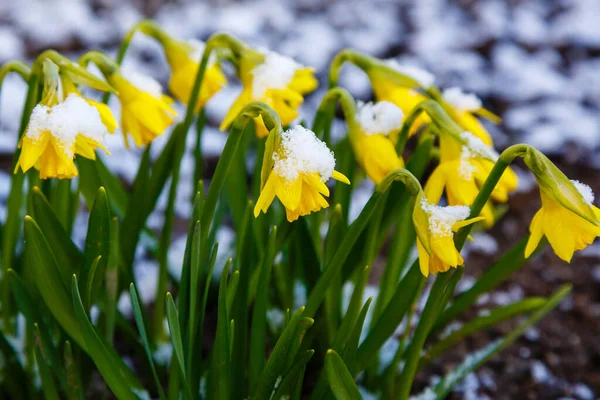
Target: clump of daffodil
<point>302,164</point>
<point>274,79</point>
<point>145,111</point>
<point>60,127</point>
<point>435,227</point>
<point>568,217</point>
<point>372,137</point>
<point>465,163</point>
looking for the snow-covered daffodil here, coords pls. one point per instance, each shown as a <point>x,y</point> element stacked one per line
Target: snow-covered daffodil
<point>371,138</point>
<point>274,79</point>
<point>145,111</point>
<point>435,227</point>
<point>302,164</point>
<point>106,115</point>
<point>568,217</point>
<point>465,164</point>
<point>56,133</point>
<point>184,60</point>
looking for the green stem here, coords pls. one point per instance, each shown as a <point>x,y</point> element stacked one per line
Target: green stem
<point>18,67</point>
<point>362,61</point>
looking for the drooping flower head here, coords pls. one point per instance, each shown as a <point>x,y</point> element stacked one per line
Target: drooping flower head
<point>274,79</point>
<point>184,60</point>
<point>302,164</point>
<point>568,217</point>
<point>465,164</point>
<point>60,127</point>
<point>145,111</point>
<point>435,227</point>
<point>373,136</point>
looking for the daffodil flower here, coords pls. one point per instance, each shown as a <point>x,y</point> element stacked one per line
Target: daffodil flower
<point>58,132</point>
<point>435,227</point>
<point>302,164</point>
<point>464,166</point>
<point>372,138</point>
<point>273,79</point>
<point>183,58</point>
<point>566,229</point>
<point>145,111</point>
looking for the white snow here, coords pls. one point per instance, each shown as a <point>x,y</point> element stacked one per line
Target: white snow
<point>276,72</point>
<point>382,117</point>
<point>65,121</point>
<point>423,77</point>
<point>460,100</point>
<point>302,152</point>
<point>474,147</point>
<point>142,81</point>
<point>441,219</point>
<point>585,191</point>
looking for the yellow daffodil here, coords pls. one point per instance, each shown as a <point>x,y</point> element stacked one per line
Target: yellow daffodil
<point>435,228</point>
<point>463,107</point>
<point>58,132</point>
<point>145,111</point>
<point>370,137</point>
<point>184,60</point>
<point>569,220</point>
<point>274,79</point>
<point>463,168</point>
<point>302,166</point>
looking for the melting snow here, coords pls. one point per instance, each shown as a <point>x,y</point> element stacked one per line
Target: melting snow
<point>382,117</point>
<point>302,152</point>
<point>276,72</point>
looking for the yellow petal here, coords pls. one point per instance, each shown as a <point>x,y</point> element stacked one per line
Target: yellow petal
<point>537,231</point>
<point>423,259</point>
<point>289,192</point>
<point>338,176</point>
<point>266,196</point>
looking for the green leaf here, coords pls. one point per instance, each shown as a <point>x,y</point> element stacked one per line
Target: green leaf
<point>292,379</point>
<point>139,320</point>
<point>340,380</point>
<point>475,360</point>
<point>282,354</point>
<point>259,315</point>
<point>94,174</point>
<point>173,321</point>
<point>483,322</point>
<point>391,316</point>
<point>221,359</point>
<point>74,388</point>
<point>68,257</point>
<point>232,290</point>
<point>16,380</point>
<point>49,282</point>
<point>112,281</point>
<point>351,348</point>
<point>317,295</point>
<point>48,385</point>
<point>97,243</point>
<point>24,302</point>
<point>117,376</point>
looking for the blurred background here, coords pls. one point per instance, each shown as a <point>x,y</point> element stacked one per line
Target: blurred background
<point>535,63</point>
